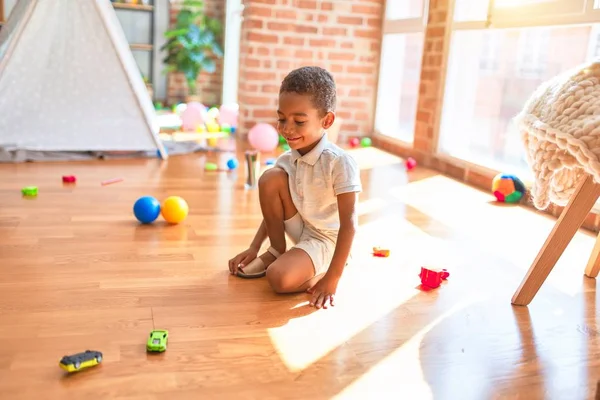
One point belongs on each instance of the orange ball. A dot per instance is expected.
(174, 209)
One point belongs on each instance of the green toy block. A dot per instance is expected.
(30, 191)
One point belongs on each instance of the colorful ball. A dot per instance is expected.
(226, 128)
(365, 142)
(263, 137)
(232, 163)
(174, 209)
(146, 209)
(228, 114)
(194, 115)
(213, 112)
(508, 188)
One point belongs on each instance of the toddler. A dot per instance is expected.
(310, 194)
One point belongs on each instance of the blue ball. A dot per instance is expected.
(146, 209)
(232, 163)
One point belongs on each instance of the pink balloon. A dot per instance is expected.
(193, 116)
(263, 137)
(228, 114)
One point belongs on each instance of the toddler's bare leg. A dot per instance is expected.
(292, 272)
(277, 206)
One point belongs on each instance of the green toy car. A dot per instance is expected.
(157, 342)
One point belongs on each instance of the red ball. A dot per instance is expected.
(411, 163)
(354, 142)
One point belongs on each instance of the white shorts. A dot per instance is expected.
(318, 245)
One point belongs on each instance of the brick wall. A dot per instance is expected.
(428, 114)
(341, 36)
(209, 85)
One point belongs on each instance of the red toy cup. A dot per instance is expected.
(432, 278)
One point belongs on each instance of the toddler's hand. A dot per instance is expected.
(242, 259)
(323, 292)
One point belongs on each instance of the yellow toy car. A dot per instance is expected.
(79, 361)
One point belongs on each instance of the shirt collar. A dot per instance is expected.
(312, 156)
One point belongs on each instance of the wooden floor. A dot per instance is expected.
(77, 272)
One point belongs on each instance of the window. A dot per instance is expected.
(404, 9)
(491, 73)
(400, 69)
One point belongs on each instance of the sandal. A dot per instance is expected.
(256, 268)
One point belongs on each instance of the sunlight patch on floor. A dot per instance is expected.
(305, 340)
(407, 243)
(491, 227)
(363, 298)
(370, 205)
(401, 371)
(371, 157)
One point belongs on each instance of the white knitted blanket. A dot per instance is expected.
(560, 127)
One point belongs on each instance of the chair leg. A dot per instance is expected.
(593, 265)
(565, 228)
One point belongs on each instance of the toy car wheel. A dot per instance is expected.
(77, 364)
(99, 359)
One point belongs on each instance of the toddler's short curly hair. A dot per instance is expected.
(314, 81)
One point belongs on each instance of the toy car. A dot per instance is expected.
(380, 252)
(79, 361)
(157, 342)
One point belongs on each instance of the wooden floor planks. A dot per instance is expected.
(77, 272)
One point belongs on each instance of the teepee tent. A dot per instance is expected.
(69, 83)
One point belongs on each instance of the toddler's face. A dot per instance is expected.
(300, 123)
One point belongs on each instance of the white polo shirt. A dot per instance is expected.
(316, 179)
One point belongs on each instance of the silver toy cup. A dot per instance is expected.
(252, 169)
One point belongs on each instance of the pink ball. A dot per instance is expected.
(193, 116)
(228, 114)
(263, 137)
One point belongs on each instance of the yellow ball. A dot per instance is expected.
(174, 209)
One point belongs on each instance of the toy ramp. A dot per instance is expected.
(69, 83)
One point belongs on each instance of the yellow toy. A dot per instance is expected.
(174, 209)
(381, 252)
(79, 361)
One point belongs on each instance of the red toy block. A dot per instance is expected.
(433, 277)
(69, 178)
(379, 252)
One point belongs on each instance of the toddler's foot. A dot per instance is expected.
(257, 268)
(267, 259)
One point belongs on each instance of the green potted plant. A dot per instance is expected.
(192, 44)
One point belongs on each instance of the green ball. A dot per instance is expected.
(285, 147)
(282, 140)
(365, 142)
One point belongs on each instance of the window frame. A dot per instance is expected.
(589, 14)
(390, 27)
(579, 12)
